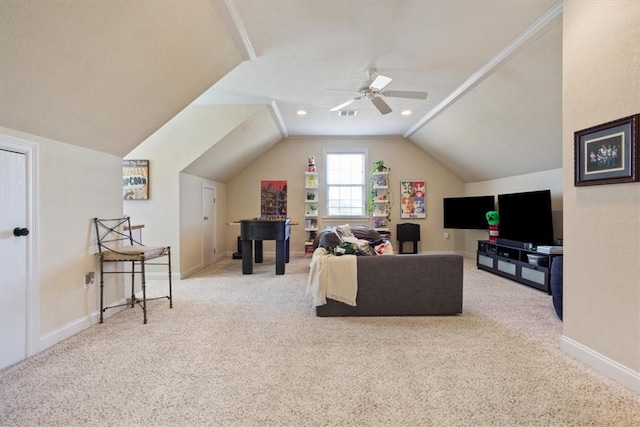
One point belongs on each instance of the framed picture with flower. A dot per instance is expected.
(607, 153)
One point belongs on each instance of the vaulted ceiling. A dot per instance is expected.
(106, 75)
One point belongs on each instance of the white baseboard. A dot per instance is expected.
(78, 325)
(189, 272)
(602, 364)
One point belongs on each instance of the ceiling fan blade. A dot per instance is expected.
(404, 94)
(344, 104)
(379, 83)
(342, 90)
(381, 105)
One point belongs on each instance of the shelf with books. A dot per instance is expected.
(311, 224)
(311, 205)
(380, 224)
(380, 197)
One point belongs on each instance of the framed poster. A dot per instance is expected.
(135, 177)
(273, 199)
(413, 199)
(607, 153)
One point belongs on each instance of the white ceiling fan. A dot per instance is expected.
(373, 90)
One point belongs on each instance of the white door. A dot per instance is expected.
(208, 225)
(13, 258)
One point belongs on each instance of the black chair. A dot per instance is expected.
(116, 244)
(409, 233)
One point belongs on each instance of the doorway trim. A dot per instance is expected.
(207, 185)
(31, 152)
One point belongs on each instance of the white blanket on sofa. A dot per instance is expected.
(334, 277)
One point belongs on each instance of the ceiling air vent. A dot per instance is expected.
(347, 112)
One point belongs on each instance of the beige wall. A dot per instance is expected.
(172, 148)
(191, 222)
(601, 65)
(601, 82)
(288, 161)
(74, 186)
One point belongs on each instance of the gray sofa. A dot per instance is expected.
(404, 285)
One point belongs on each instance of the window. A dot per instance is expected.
(345, 184)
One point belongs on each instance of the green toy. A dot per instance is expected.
(493, 218)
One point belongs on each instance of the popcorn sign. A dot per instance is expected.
(135, 179)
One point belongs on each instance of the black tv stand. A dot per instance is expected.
(512, 262)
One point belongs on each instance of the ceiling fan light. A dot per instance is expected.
(380, 82)
(301, 112)
(406, 112)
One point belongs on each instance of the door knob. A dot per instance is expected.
(20, 231)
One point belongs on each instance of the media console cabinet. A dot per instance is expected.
(513, 263)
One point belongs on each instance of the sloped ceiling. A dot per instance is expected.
(236, 150)
(106, 75)
(492, 70)
(510, 124)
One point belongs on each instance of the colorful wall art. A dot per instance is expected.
(273, 195)
(413, 196)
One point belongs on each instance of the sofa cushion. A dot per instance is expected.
(404, 285)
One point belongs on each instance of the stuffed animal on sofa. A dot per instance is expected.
(384, 248)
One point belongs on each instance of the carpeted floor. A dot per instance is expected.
(239, 350)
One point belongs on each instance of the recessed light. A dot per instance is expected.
(301, 113)
(406, 113)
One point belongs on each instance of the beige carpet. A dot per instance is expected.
(239, 350)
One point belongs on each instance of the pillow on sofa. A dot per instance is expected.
(344, 231)
(329, 238)
(364, 232)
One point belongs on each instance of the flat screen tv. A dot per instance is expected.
(467, 213)
(526, 217)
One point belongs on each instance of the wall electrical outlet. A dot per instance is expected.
(89, 279)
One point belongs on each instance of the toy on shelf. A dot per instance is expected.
(311, 164)
(493, 218)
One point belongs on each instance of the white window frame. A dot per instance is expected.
(365, 183)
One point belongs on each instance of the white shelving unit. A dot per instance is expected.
(381, 200)
(311, 209)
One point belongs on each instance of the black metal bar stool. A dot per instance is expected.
(116, 244)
